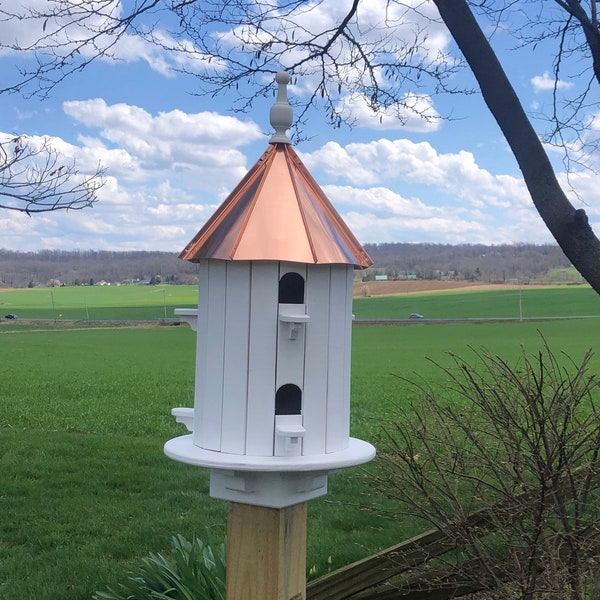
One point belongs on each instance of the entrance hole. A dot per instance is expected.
(288, 400)
(291, 289)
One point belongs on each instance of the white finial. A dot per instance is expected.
(281, 112)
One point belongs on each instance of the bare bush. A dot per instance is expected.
(517, 446)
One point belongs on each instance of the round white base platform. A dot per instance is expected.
(184, 450)
(274, 481)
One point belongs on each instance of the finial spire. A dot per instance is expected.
(281, 112)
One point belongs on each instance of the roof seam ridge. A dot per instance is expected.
(268, 160)
(293, 175)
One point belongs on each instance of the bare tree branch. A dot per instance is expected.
(589, 26)
(33, 179)
(73, 35)
(224, 44)
(571, 26)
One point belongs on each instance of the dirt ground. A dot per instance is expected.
(390, 288)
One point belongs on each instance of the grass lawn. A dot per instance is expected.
(85, 489)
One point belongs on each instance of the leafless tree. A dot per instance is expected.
(387, 64)
(35, 179)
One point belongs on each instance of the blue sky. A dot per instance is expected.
(172, 156)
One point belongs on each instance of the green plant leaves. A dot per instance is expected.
(195, 569)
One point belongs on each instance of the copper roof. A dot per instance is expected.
(277, 212)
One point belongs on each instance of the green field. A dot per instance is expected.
(501, 303)
(85, 489)
(124, 302)
(158, 302)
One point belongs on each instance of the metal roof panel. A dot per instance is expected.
(277, 212)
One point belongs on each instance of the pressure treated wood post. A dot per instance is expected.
(266, 552)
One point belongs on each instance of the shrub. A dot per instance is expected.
(517, 446)
(195, 570)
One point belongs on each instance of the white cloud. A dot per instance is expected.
(370, 227)
(121, 122)
(169, 171)
(13, 224)
(414, 112)
(379, 214)
(401, 160)
(544, 83)
(166, 174)
(457, 200)
(201, 146)
(150, 219)
(378, 199)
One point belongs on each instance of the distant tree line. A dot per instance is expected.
(472, 262)
(91, 267)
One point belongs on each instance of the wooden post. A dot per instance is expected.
(266, 552)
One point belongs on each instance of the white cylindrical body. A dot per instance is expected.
(273, 358)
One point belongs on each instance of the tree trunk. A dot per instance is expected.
(589, 26)
(569, 227)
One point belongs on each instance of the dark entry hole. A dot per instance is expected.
(288, 400)
(291, 289)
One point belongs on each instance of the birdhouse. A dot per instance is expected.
(271, 414)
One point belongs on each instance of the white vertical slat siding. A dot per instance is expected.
(201, 351)
(212, 410)
(235, 382)
(340, 322)
(290, 353)
(262, 358)
(348, 352)
(316, 363)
